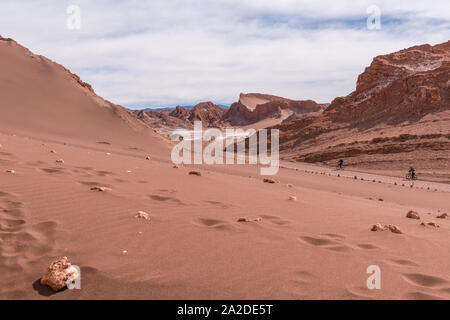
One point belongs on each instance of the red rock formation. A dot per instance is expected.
(180, 113)
(399, 93)
(207, 112)
(254, 107)
(399, 86)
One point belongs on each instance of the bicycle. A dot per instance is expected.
(409, 176)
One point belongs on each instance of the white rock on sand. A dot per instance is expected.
(58, 273)
(142, 215)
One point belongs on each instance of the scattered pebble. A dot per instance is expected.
(142, 215)
(442, 216)
(124, 252)
(289, 185)
(10, 171)
(267, 180)
(293, 198)
(147, 158)
(59, 161)
(100, 189)
(243, 219)
(175, 167)
(413, 215)
(394, 229)
(431, 224)
(380, 199)
(390, 227)
(53, 151)
(195, 173)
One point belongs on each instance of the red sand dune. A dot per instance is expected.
(192, 246)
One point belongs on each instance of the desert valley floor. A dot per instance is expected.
(318, 246)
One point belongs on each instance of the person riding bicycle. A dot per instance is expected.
(341, 163)
(412, 172)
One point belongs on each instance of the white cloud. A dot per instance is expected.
(164, 52)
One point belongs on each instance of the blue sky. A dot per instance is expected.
(167, 52)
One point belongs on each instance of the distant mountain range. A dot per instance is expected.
(258, 110)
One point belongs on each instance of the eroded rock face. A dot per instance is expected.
(58, 274)
(206, 112)
(406, 87)
(254, 107)
(409, 82)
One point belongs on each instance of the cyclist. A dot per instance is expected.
(412, 172)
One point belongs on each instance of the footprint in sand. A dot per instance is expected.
(219, 204)
(275, 220)
(358, 293)
(21, 245)
(424, 280)
(403, 262)
(53, 170)
(166, 199)
(417, 295)
(332, 244)
(103, 173)
(214, 224)
(300, 283)
(367, 246)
